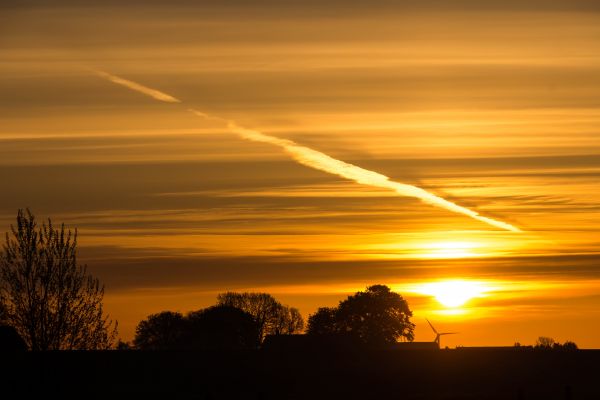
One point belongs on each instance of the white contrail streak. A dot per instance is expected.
(156, 94)
(317, 160)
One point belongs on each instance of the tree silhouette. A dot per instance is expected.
(222, 328)
(376, 316)
(162, 331)
(548, 343)
(323, 322)
(271, 317)
(213, 328)
(52, 302)
(544, 342)
(569, 346)
(290, 321)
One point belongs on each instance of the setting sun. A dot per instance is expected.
(454, 293)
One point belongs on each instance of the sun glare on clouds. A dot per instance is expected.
(454, 293)
(449, 249)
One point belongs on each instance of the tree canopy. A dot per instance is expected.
(323, 322)
(222, 328)
(161, 331)
(376, 316)
(51, 301)
(212, 328)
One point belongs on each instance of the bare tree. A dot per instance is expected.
(52, 302)
(271, 317)
(288, 321)
(262, 307)
(544, 342)
(295, 322)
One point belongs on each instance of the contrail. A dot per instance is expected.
(156, 94)
(321, 161)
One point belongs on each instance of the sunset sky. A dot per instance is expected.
(492, 105)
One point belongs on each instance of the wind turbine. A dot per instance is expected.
(439, 334)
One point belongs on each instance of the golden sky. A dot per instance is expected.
(493, 106)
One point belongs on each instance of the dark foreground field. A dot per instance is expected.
(401, 374)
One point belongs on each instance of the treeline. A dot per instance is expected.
(50, 302)
(237, 321)
(376, 316)
(548, 343)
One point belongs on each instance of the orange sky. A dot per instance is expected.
(495, 106)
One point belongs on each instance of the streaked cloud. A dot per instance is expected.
(323, 162)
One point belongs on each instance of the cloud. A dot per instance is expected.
(155, 268)
(321, 161)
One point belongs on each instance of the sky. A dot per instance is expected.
(493, 106)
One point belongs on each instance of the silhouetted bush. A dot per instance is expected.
(52, 302)
(376, 316)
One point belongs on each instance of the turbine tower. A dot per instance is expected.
(439, 334)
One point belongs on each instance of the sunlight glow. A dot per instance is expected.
(450, 249)
(451, 312)
(454, 293)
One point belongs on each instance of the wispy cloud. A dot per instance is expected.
(323, 162)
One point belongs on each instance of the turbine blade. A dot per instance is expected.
(431, 325)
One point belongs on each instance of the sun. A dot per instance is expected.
(454, 293)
